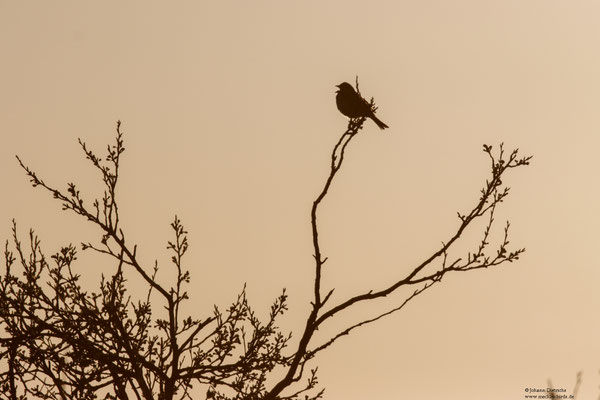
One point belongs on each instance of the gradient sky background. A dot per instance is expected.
(230, 118)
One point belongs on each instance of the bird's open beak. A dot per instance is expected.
(337, 86)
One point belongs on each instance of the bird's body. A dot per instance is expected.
(352, 105)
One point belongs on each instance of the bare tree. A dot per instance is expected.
(62, 341)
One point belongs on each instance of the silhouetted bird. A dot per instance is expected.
(352, 105)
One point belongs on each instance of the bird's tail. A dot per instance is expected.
(379, 122)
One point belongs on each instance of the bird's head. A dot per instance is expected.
(344, 86)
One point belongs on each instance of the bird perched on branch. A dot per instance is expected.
(352, 105)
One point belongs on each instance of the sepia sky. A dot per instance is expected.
(229, 117)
